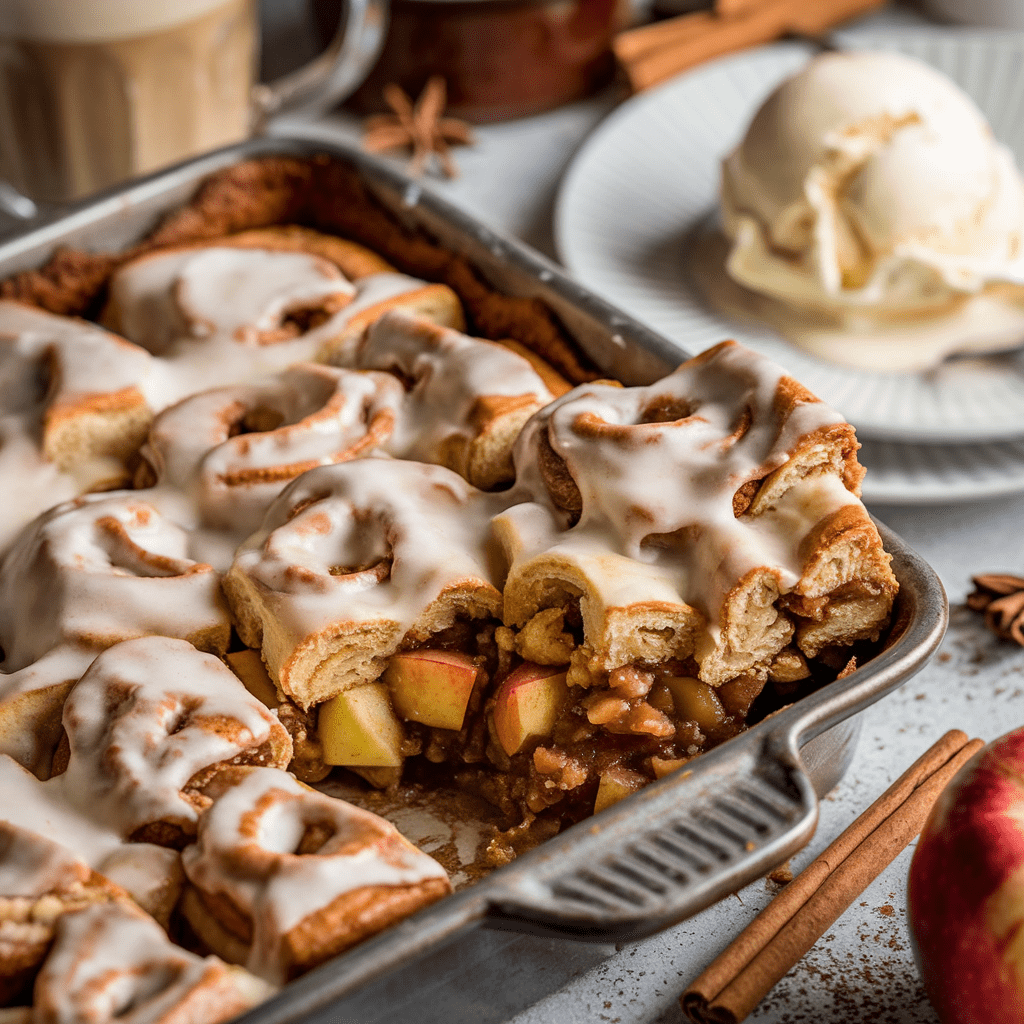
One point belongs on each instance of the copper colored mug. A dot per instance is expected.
(500, 58)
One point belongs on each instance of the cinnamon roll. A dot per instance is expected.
(281, 877)
(84, 392)
(354, 560)
(467, 400)
(39, 881)
(114, 964)
(101, 569)
(232, 314)
(75, 404)
(234, 449)
(148, 724)
(726, 484)
(51, 838)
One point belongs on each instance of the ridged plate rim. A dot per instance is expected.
(649, 174)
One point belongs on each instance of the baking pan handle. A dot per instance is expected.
(677, 847)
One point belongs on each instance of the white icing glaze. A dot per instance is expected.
(101, 569)
(111, 962)
(375, 540)
(204, 312)
(57, 360)
(639, 479)
(31, 865)
(144, 719)
(447, 373)
(661, 493)
(245, 851)
(31, 484)
(45, 811)
(61, 366)
(325, 415)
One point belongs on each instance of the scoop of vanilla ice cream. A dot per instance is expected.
(869, 180)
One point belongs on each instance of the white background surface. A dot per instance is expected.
(863, 968)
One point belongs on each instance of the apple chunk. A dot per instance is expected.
(615, 785)
(248, 666)
(528, 704)
(358, 727)
(695, 701)
(431, 687)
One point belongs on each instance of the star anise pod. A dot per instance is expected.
(419, 127)
(1001, 597)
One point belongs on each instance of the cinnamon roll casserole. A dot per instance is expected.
(288, 500)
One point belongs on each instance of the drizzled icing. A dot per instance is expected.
(31, 865)
(717, 421)
(371, 542)
(319, 415)
(651, 473)
(101, 569)
(44, 821)
(246, 851)
(114, 963)
(168, 300)
(448, 374)
(221, 314)
(53, 369)
(147, 717)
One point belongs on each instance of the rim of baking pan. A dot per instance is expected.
(679, 844)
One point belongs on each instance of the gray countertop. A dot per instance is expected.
(863, 968)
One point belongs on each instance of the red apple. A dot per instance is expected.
(966, 892)
(432, 687)
(528, 704)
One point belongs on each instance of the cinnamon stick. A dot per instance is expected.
(653, 53)
(732, 8)
(768, 948)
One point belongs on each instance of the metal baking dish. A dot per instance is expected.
(677, 846)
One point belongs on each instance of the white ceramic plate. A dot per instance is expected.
(649, 176)
(937, 474)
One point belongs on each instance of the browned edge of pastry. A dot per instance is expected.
(321, 193)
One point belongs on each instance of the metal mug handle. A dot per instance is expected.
(335, 73)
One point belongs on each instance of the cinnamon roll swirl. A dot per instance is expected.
(355, 559)
(281, 877)
(467, 400)
(148, 725)
(234, 449)
(101, 569)
(112, 963)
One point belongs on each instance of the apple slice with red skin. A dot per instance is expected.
(431, 687)
(966, 891)
(528, 703)
(358, 727)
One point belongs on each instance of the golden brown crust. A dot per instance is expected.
(329, 197)
(353, 260)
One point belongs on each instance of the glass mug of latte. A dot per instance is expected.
(96, 91)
